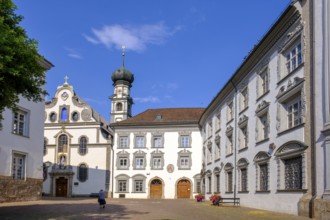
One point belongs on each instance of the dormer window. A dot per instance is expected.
(158, 117)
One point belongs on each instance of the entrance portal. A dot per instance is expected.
(61, 187)
(156, 189)
(183, 189)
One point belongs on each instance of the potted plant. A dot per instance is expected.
(199, 197)
(215, 198)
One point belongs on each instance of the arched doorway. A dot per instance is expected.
(156, 189)
(183, 189)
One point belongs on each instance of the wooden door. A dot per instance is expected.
(61, 187)
(183, 189)
(156, 189)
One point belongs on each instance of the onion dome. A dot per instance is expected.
(122, 74)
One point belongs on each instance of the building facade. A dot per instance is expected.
(265, 137)
(157, 154)
(77, 147)
(21, 136)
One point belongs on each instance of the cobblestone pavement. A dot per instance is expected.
(87, 208)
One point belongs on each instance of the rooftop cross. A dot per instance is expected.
(66, 79)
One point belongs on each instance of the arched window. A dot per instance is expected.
(83, 146)
(64, 114)
(119, 107)
(62, 143)
(82, 172)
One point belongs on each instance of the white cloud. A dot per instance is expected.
(73, 53)
(151, 99)
(133, 37)
(90, 100)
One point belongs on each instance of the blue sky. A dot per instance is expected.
(181, 52)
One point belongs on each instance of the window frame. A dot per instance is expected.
(18, 168)
(20, 126)
(82, 172)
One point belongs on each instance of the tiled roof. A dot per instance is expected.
(164, 116)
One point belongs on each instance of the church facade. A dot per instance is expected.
(77, 147)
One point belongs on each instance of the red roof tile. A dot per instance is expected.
(164, 116)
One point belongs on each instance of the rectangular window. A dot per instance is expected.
(139, 142)
(138, 185)
(210, 184)
(18, 166)
(293, 58)
(264, 126)
(244, 137)
(20, 123)
(123, 163)
(185, 141)
(217, 183)
(244, 179)
(230, 181)
(184, 162)
(244, 99)
(123, 142)
(230, 144)
(157, 162)
(217, 150)
(264, 83)
(139, 163)
(263, 177)
(157, 142)
(122, 185)
(294, 114)
(293, 173)
(230, 111)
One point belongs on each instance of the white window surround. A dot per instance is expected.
(288, 95)
(262, 158)
(123, 161)
(184, 160)
(217, 153)
(139, 142)
(139, 160)
(229, 144)
(229, 177)
(197, 183)
(19, 160)
(263, 121)
(139, 183)
(242, 166)
(217, 122)
(123, 142)
(157, 140)
(243, 133)
(216, 175)
(184, 140)
(244, 98)
(21, 122)
(230, 111)
(122, 185)
(157, 160)
(291, 150)
(293, 39)
(263, 82)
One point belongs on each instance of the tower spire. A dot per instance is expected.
(123, 55)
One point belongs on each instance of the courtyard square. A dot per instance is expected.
(87, 208)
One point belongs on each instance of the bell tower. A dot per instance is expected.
(121, 101)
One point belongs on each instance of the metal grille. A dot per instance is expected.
(293, 173)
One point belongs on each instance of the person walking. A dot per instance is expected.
(101, 199)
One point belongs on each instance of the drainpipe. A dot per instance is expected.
(234, 139)
(312, 112)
